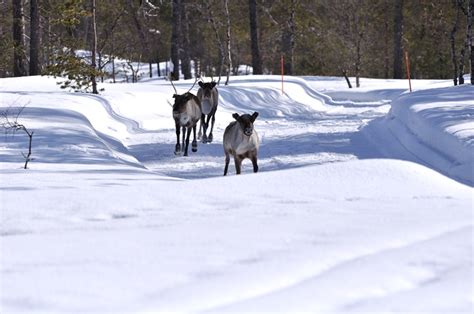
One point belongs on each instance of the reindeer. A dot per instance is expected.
(209, 97)
(186, 114)
(241, 141)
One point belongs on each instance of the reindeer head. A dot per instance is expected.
(180, 101)
(207, 88)
(246, 122)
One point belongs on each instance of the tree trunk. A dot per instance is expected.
(185, 43)
(358, 61)
(288, 40)
(34, 38)
(386, 41)
(462, 58)
(229, 50)
(94, 48)
(344, 73)
(175, 40)
(470, 42)
(398, 50)
(46, 32)
(453, 45)
(19, 67)
(256, 60)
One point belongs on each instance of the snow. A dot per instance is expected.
(363, 201)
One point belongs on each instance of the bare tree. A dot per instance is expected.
(9, 122)
(220, 44)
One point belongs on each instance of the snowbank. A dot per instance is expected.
(442, 119)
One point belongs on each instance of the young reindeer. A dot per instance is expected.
(209, 97)
(241, 141)
(186, 114)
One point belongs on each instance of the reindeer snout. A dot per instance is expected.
(248, 131)
(184, 119)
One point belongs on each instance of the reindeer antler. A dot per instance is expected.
(171, 80)
(195, 81)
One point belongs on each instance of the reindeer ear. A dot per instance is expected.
(213, 84)
(236, 116)
(201, 84)
(254, 116)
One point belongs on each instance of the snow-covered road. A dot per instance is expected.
(343, 216)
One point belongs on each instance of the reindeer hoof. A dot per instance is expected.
(209, 138)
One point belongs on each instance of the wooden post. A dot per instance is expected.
(282, 63)
(407, 63)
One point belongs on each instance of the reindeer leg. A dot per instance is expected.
(227, 160)
(184, 134)
(200, 127)
(194, 144)
(177, 148)
(188, 133)
(210, 137)
(238, 163)
(204, 133)
(206, 126)
(254, 162)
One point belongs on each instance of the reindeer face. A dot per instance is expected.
(246, 122)
(207, 88)
(179, 102)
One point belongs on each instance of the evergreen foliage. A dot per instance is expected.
(317, 37)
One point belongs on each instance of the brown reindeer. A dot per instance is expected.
(241, 141)
(209, 97)
(186, 114)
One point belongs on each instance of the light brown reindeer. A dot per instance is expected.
(209, 97)
(241, 141)
(186, 114)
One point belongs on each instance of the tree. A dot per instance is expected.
(470, 41)
(185, 43)
(34, 38)
(94, 48)
(228, 36)
(452, 37)
(19, 66)
(77, 70)
(218, 39)
(288, 39)
(256, 60)
(175, 39)
(397, 39)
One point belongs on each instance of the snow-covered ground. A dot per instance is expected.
(363, 201)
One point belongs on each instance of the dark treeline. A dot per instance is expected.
(360, 38)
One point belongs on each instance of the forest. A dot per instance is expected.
(357, 38)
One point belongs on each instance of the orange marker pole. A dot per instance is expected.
(407, 63)
(282, 63)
